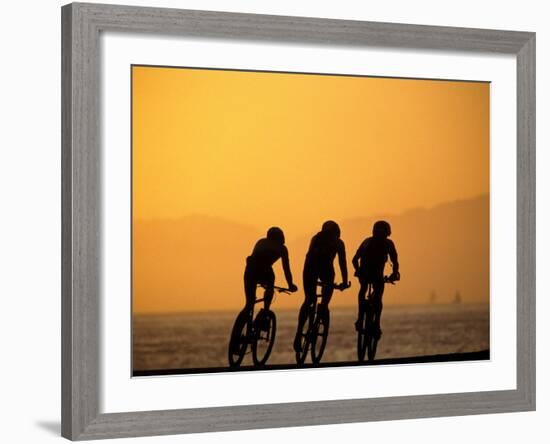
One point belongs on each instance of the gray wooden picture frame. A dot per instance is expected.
(81, 232)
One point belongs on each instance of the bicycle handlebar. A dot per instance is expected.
(340, 287)
(279, 289)
(387, 280)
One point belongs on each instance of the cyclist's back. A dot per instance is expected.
(265, 253)
(321, 253)
(372, 255)
(319, 262)
(259, 267)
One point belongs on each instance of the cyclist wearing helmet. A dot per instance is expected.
(369, 262)
(319, 266)
(259, 267)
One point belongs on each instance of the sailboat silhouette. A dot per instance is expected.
(458, 298)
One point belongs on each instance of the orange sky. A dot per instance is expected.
(236, 152)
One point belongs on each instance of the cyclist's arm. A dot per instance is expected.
(286, 266)
(393, 257)
(342, 261)
(355, 260)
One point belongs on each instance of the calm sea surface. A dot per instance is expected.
(199, 340)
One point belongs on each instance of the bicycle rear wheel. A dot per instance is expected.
(238, 341)
(305, 333)
(372, 338)
(362, 337)
(305, 341)
(265, 327)
(372, 348)
(320, 334)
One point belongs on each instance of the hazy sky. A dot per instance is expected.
(263, 149)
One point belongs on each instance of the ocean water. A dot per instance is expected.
(200, 340)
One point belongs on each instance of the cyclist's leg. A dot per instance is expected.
(364, 286)
(377, 292)
(250, 283)
(269, 282)
(304, 312)
(326, 292)
(266, 278)
(310, 282)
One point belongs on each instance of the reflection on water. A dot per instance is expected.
(199, 340)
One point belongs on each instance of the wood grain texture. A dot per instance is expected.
(119, 425)
(81, 230)
(81, 222)
(66, 224)
(301, 29)
(526, 221)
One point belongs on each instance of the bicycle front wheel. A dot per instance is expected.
(320, 334)
(265, 327)
(238, 340)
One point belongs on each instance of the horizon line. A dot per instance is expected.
(232, 310)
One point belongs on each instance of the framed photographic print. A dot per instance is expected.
(263, 213)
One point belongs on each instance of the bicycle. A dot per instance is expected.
(258, 332)
(367, 337)
(314, 334)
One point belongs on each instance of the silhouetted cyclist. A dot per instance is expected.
(369, 262)
(319, 266)
(259, 267)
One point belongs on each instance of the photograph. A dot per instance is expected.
(275, 222)
(289, 220)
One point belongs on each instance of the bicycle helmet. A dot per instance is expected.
(331, 229)
(381, 229)
(276, 234)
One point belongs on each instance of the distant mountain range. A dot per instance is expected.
(197, 262)
(442, 250)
